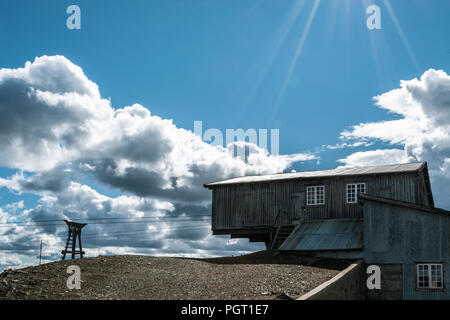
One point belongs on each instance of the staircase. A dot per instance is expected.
(281, 235)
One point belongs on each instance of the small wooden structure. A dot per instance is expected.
(74, 232)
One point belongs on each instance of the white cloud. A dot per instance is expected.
(376, 157)
(55, 117)
(56, 129)
(14, 207)
(422, 133)
(10, 261)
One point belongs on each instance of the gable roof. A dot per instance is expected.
(342, 171)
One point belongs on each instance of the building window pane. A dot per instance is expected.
(315, 195)
(430, 276)
(352, 191)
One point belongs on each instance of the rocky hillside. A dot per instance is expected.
(255, 276)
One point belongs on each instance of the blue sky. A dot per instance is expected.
(225, 63)
(198, 60)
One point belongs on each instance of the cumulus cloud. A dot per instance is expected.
(10, 261)
(58, 131)
(376, 157)
(421, 134)
(55, 116)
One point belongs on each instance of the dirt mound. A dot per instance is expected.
(257, 276)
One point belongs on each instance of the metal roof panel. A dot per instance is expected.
(333, 234)
(342, 171)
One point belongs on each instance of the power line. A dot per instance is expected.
(113, 218)
(133, 234)
(106, 233)
(6, 225)
(168, 228)
(92, 235)
(22, 249)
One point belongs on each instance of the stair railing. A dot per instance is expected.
(274, 239)
(278, 229)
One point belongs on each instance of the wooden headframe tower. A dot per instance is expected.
(74, 232)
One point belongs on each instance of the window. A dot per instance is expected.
(430, 276)
(352, 191)
(315, 195)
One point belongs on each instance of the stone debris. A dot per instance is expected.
(254, 276)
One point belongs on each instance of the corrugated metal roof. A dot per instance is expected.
(332, 234)
(343, 171)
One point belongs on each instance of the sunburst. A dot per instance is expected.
(294, 61)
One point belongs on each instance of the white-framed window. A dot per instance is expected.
(430, 276)
(352, 191)
(315, 195)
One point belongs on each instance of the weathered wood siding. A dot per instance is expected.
(391, 283)
(421, 190)
(406, 236)
(250, 205)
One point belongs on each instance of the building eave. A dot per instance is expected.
(433, 210)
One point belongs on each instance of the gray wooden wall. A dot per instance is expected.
(247, 205)
(406, 236)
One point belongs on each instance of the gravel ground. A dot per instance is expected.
(255, 276)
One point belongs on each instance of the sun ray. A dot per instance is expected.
(373, 46)
(281, 36)
(402, 35)
(298, 51)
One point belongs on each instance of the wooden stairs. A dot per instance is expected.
(281, 235)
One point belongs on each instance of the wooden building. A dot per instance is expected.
(384, 215)
(256, 207)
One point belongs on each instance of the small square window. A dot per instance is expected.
(430, 276)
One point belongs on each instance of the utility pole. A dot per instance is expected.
(40, 254)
